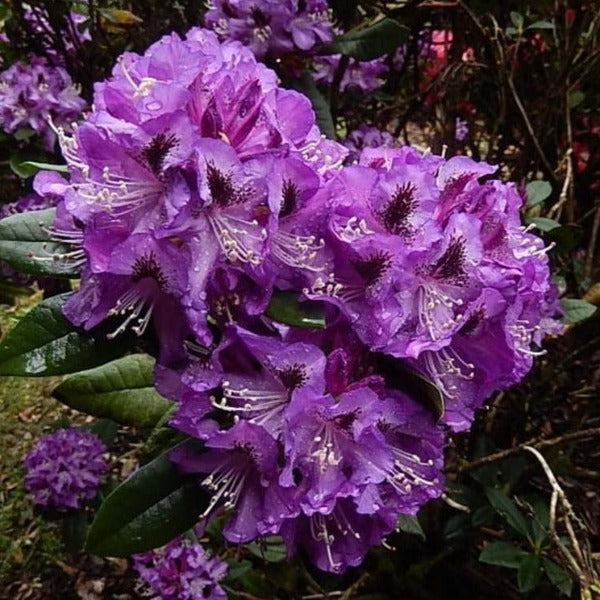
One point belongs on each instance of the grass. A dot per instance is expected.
(29, 546)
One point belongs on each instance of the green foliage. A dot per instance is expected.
(25, 245)
(44, 343)
(286, 308)
(576, 310)
(146, 511)
(122, 390)
(370, 42)
(306, 84)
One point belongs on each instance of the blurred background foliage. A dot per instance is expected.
(523, 78)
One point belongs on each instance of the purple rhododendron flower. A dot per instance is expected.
(65, 468)
(33, 94)
(368, 137)
(361, 76)
(182, 570)
(199, 191)
(271, 27)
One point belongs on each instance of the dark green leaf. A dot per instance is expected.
(270, 549)
(410, 524)
(558, 577)
(122, 390)
(544, 224)
(146, 511)
(161, 437)
(541, 25)
(74, 529)
(576, 310)
(20, 163)
(44, 343)
(507, 509)
(576, 98)
(237, 569)
(529, 573)
(537, 192)
(24, 244)
(286, 308)
(502, 554)
(105, 429)
(380, 38)
(306, 84)
(566, 237)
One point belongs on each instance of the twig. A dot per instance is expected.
(454, 504)
(535, 443)
(581, 564)
(589, 259)
(564, 193)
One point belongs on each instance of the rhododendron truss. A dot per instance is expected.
(277, 284)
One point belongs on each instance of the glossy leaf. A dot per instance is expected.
(576, 310)
(380, 38)
(153, 506)
(25, 245)
(502, 554)
(44, 343)
(286, 308)
(122, 390)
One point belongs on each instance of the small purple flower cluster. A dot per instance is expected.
(181, 571)
(32, 95)
(461, 130)
(367, 137)
(64, 468)
(271, 27)
(199, 191)
(361, 76)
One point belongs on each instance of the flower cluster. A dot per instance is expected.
(181, 571)
(361, 76)
(367, 137)
(32, 95)
(201, 197)
(64, 468)
(271, 27)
